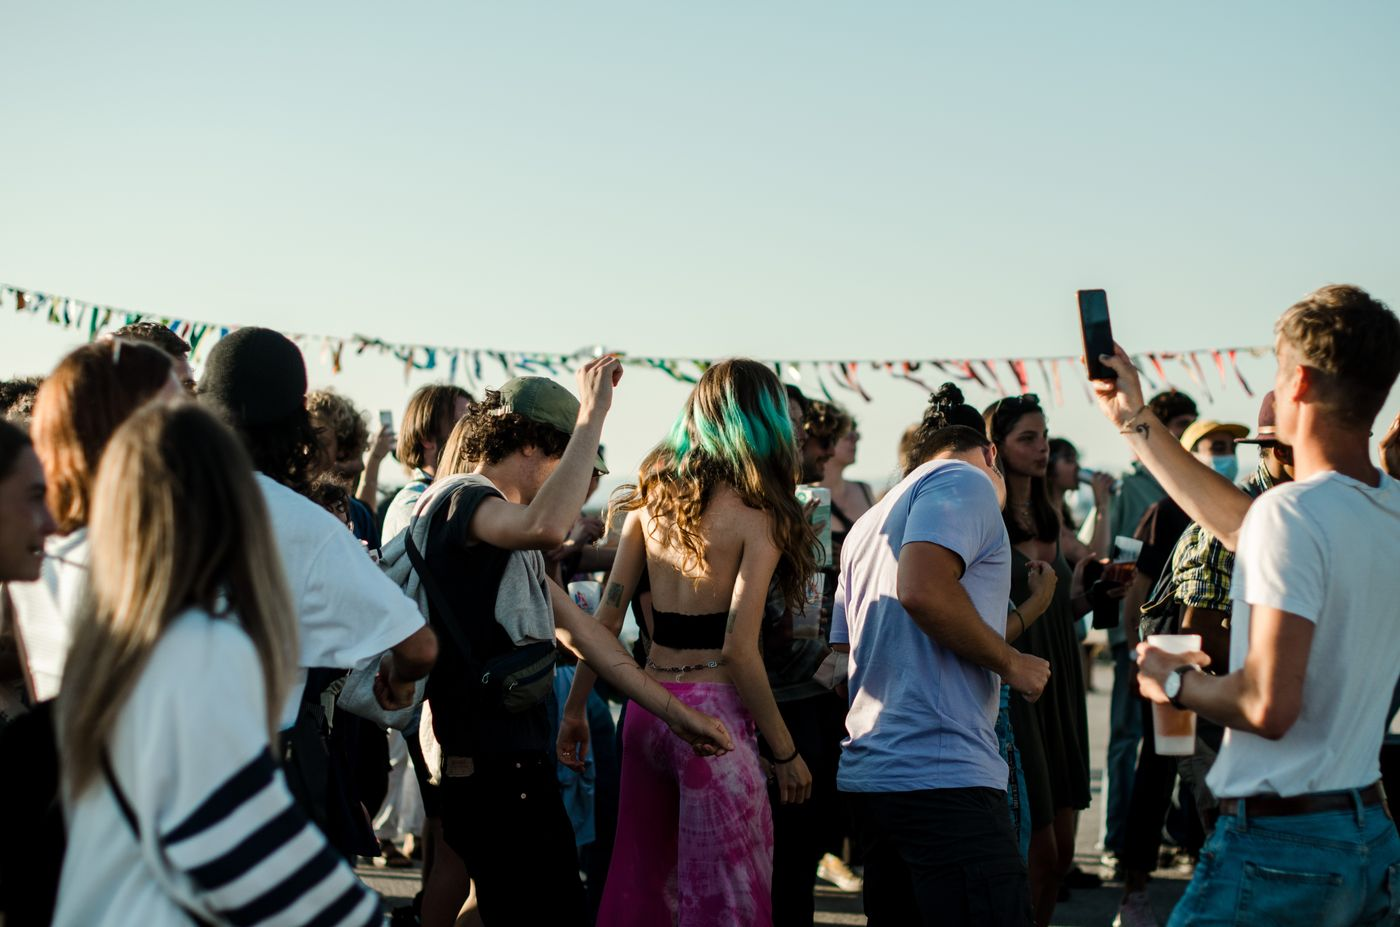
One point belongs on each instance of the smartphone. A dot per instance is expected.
(1098, 335)
(386, 419)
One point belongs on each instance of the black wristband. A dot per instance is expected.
(778, 762)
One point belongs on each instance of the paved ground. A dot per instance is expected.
(1092, 908)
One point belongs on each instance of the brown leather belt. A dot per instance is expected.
(1273, 806)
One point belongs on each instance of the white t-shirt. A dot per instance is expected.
(46, 609)
(1323, 549)
(190, 752)
(347, 609)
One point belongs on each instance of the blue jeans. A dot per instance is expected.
(1333, 868)
(1016, 803)
(1124, 733)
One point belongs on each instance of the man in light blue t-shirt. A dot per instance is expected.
(922, 603)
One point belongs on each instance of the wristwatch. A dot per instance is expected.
(1172, 686)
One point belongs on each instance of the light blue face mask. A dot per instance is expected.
(1228, 467)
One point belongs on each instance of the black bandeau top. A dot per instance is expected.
(688, 632)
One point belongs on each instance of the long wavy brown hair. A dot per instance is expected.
(733, 431)
(91, 392)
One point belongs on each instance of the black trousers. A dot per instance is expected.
(1153, 781)
(803, 833)
(507, 822)
(941, 856)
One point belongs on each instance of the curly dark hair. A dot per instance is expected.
(332, 497)
(1172, 404)
(285, 450)
(156, 334)
(345, 421)
(490, 434)
(825, 422)
(17, 398)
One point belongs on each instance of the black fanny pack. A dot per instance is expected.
(520, 679)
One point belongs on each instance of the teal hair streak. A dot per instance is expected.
(733, 436)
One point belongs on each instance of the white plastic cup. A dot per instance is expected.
(587, 594)
(1174, 730)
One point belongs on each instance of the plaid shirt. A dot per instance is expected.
(1201, 566)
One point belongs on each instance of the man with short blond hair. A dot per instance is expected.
(1305, 834)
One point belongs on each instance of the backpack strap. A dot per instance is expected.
(125, 807)
(438, 598)
(1160, 614)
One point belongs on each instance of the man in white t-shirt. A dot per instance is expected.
(347, 609)
(1305, 835)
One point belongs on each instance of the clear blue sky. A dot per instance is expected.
(778, 179)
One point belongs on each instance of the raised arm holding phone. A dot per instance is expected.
(1305, 834)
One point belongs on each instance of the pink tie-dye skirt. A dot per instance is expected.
(694, 834)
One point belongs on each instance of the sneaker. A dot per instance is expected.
(393, 858)
(1136, 911)
(1113, 864)
(834, 870)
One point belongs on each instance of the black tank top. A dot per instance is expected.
(686, 632)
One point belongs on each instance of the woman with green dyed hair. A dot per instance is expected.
(711, 524)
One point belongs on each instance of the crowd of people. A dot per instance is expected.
(233, 662)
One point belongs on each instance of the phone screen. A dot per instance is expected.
(1098, 335)
(386, 418)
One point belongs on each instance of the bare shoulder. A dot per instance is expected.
(727, 511)
(734, 522)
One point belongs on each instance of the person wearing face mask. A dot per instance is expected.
(1213, 444)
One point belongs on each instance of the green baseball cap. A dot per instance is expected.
(542, 400)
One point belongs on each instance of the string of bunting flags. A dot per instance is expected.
(830, 377)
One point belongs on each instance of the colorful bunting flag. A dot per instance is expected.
(94, 320)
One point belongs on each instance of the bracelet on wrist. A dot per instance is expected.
(788, 759)
(1129, 427)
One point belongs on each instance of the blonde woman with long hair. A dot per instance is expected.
(180, 663)
(712, 521)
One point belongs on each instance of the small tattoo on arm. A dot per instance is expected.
(733, 619)
(614, 596)
(1142, 428)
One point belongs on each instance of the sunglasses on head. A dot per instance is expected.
(1025, 399)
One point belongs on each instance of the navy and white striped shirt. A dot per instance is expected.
(219, 828)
